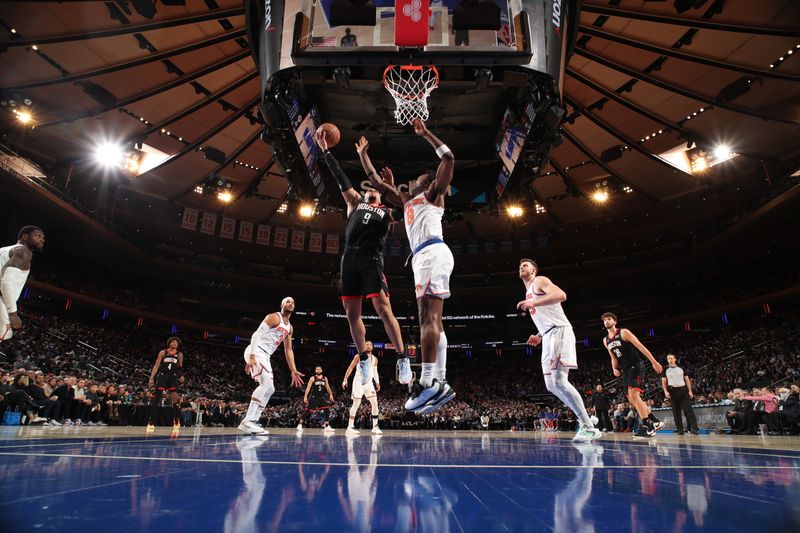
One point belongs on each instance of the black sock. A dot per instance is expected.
(363, 356)
(652, 418)
(401, 355)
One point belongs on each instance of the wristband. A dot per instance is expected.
(442, 151)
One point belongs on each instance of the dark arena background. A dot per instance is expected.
(641, 155)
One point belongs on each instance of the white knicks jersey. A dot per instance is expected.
(266, 339)
(5, 256)
(547, 316)
(423, 220)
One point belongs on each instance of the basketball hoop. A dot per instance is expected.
(410, 86)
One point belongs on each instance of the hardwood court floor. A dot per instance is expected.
(122, 479)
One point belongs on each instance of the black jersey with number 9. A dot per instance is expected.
(367, 227)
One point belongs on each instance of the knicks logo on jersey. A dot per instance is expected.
(282, 333)
(410, 209)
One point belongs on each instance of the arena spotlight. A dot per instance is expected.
(24, 117)
(225, 197)
(514, 211)
(722, 153)
(601, 194)
(109, 154)
(307, 210)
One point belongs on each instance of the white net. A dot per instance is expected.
(410, 86)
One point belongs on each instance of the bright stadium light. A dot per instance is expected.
(600, 196)
(514, 211)
(307, 210)
(722, 153)
(225, 197)
(109, 154)
(24, 116)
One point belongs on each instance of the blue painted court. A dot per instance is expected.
(87, 480)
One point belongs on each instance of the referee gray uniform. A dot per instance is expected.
(675, 381)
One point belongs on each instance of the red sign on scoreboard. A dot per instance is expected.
(411, 22)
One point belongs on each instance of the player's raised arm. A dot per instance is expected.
(383, 182)
(444, 173)
(553, 294)
(350, 195)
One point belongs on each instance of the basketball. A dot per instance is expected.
(331, 133)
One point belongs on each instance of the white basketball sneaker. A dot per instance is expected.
(376, 430)
(328, 429)
(587, 434)
(299, 427)
(404, 371)
(253, 428)
(352, 431)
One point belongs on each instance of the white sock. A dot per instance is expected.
(426, 377)
(441, 357)
(253, 411)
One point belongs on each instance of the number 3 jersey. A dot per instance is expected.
(367, 227)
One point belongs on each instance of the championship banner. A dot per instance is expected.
(208, 224)
(228, 228)
(262, 236)
(315, 242)
(281, 236)
(298, 239)
(190, 217)
(246, 231)
(332, 243)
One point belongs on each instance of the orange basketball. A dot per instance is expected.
(331, 133)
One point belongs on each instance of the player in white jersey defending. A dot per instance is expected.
(15, 264)
(360, 391)
(432, 263)
(543, 301)
(274, 330)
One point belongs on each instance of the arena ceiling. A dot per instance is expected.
(644, 80)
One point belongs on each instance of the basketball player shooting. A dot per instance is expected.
(543, 301)
(273, 330)
(624, 349)
(362, 275)
(15, 265)
(432, 263)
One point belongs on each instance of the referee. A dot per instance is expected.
(678, 390)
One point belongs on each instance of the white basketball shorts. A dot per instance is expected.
(432, 268)
(558, 350)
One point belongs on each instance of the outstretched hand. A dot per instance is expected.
(319, 136)
(297, 379)
(419, 127)
(362, 145)
(387, 176)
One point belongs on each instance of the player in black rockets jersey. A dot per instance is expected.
(318, 397)
(624, 348)
(166, 374)
(362, 265)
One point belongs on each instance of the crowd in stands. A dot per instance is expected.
(65, 371)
